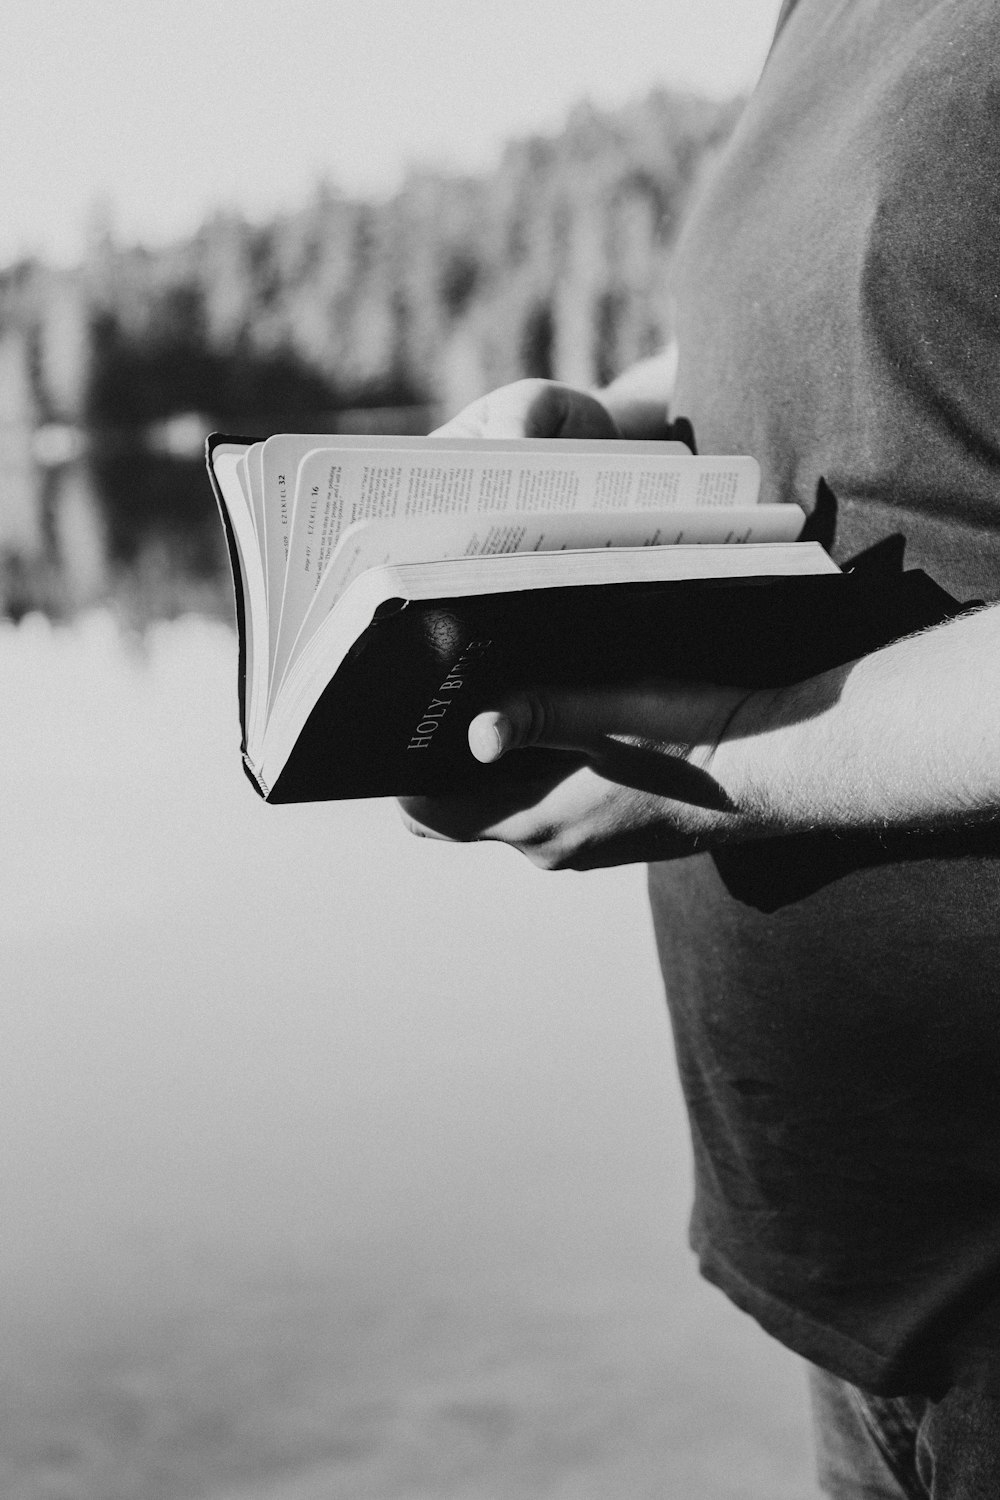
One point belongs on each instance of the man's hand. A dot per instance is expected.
(637, 782)
(640, 782)
(902, 740)
(533, 409)
(633, 406)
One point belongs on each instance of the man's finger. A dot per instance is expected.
(561, 411)
(567, 720)
(503, 413)
(534, 409)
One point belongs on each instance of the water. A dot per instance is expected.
(335, 1163)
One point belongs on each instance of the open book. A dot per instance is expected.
(388, 587)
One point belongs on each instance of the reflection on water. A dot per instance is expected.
(136, 529)
(92, 518)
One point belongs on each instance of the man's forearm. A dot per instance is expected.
(907, 738)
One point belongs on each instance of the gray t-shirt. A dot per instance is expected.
(838, 297)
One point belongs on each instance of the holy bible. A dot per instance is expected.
(388, 589)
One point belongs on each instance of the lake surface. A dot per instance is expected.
(334, 1163)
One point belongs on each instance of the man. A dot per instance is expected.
(829, 916)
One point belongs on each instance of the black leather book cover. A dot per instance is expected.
(394, 719)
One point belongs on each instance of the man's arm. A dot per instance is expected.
(905, 739)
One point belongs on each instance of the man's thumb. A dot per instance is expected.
(554, 720)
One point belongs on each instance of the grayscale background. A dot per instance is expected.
(332, 1163)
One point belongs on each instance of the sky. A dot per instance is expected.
(149, 116)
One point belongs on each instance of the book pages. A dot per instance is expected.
(275, 465)
(336, 488)
(230, 469)
(381, 543)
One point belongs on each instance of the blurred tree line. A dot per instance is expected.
(556, 263)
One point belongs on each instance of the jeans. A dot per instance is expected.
(905, 1447)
